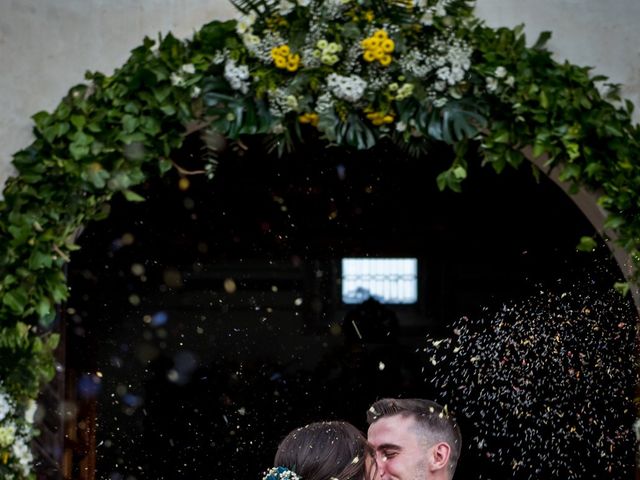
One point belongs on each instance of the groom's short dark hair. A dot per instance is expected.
(435, 422)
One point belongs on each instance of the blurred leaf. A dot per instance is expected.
(542, 40)
(622, 288)
(133, 196)
(587, 244)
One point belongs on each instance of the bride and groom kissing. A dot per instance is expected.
(408, 439)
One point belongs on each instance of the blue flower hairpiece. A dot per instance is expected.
(280, 473)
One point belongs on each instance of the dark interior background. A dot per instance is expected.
(213, 312)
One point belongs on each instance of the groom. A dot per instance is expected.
(414, 439)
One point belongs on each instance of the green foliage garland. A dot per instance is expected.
(351, 71)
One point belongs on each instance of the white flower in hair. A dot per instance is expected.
(280, 473)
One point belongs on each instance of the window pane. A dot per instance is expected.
(388, 280)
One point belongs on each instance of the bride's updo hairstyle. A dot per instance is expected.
(325, 451)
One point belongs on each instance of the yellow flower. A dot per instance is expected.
(385, 60)
(381, 35)
(293, 62)
(379, 118)
(378, 47)
(309, 118)
(369, 16)
(388, 45)
(369, 56)
(283, 58)
(284, 50)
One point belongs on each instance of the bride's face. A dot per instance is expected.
(370, 467)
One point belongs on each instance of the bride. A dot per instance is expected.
(323, 451)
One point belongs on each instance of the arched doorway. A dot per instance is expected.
(213, 312)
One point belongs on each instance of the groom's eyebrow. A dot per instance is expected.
(389, 446)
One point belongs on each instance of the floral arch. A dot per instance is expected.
(353, 72)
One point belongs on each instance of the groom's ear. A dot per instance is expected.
(439, 456)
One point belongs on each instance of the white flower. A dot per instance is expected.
(245, 23)
(334, 47)
(500, 72)
(5, 405)
(510, 81)
(427, 18)
(304, 3)
(7, 434)
(22, 452)
(291, 101)
(219, 57)
(250, 40)
(188, 68)
(237, 76)
(30, 412)
(492, 84)
(401, 126)
(281, 102)
(195, 92)
(349, 88)
(404, 91)
(177, 80)
(286, 7)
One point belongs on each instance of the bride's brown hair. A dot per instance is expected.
(325, 451)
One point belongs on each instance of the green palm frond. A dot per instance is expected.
(261, 7)
(395, 10)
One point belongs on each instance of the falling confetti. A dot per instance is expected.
(547, 384)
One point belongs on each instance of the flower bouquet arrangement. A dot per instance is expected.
(354, 70)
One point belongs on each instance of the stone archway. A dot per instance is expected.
(587, 202)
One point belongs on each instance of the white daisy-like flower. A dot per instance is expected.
(177, 80)
(492, 84)
(7, 434)
(349, 88)
(22, 452)
(237, 76)
(219, 57)
(286, 7)
(245, 23)
(30, 412)
(188, 68)
(5, 405)
(427, 18)
(500, 72)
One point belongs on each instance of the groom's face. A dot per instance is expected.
(399, 453)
